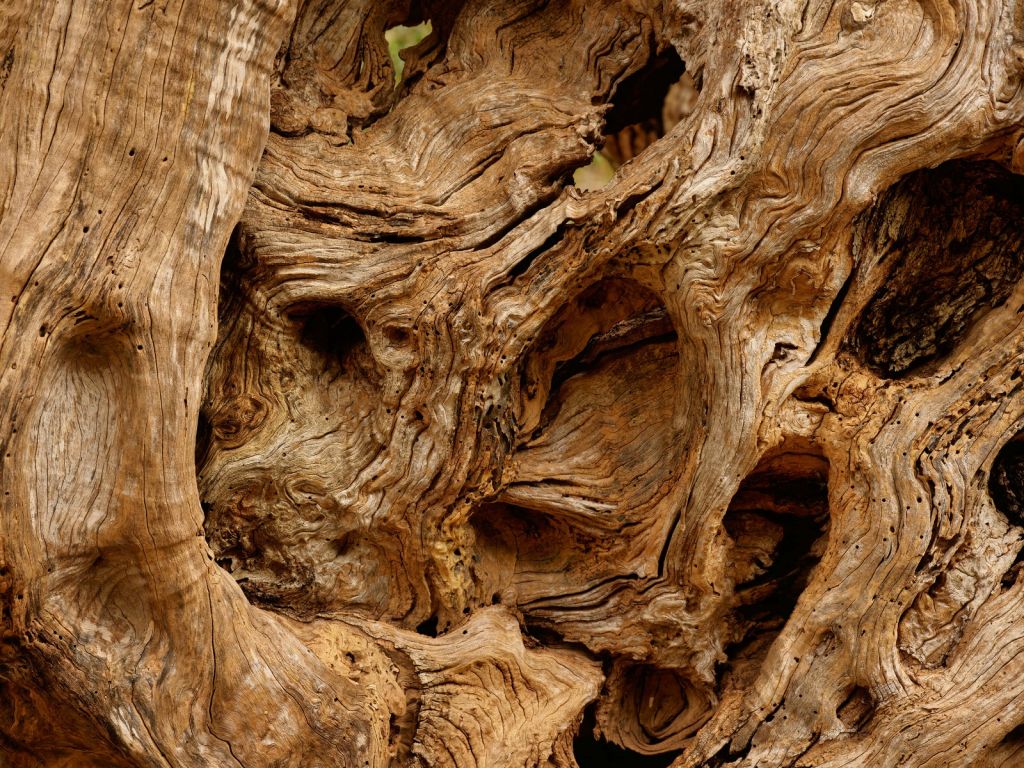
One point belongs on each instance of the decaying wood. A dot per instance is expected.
(338, 428)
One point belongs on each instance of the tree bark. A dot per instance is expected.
(339, 428)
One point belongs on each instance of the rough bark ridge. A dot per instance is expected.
(720, 464)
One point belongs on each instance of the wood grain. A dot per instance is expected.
(338, 428)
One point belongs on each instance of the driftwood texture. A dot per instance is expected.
(338, 428)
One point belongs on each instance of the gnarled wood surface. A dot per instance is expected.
(339, 428)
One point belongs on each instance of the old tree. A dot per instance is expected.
(339, 427)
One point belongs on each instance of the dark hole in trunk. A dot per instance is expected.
(594, 752)
(778, 521)
(951, 240)
(1006, 487)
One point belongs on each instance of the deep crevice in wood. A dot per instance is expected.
(593, 751)
(952, 246)
(1006, 487)
(857, 708)
(779, 524)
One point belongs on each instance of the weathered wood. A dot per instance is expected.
(462, 465)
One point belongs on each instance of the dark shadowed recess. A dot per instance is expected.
(857, 708)
(330, 332)
(613, 317)
(1006, 481)
(778, 522)
(1008, 753)
(1006, 487)
(952, 242)
(593, 380)
(643, 108)
(533, 544)
(652, 710)
(229, 300)
(592, 751)
(640, 98)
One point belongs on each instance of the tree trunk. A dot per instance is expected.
(338, 427)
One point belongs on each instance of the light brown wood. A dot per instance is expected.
(338, 428)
